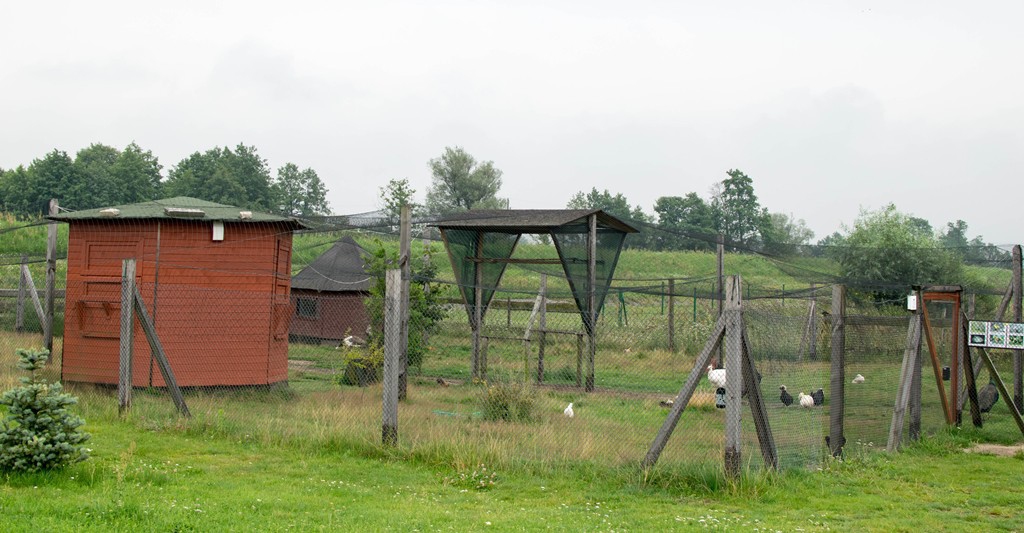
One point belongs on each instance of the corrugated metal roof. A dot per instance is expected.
(339, 269)
(528, 220)
(177, 208)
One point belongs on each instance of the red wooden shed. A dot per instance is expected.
(215, 278)
(329, 295)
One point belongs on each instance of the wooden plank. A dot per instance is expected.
(685, 393)
(837, 387)
(936, 366)
(757, 407)
(733, 369)
(36, 303)
(910, 355)
(478, 310)
(159, 355)
(536, 305)
(1002, 388)
(51, 277)
(392, 355)
(127, 343)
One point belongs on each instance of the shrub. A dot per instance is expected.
(509, 401)
(39, 433)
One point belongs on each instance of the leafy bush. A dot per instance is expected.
(509, 401)
(39, 433)
(363, 366)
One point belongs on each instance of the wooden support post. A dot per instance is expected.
(970, 381)
(19, 320)
(812, 352)
(936, 365)
(51, 277)
(34, 295)
(733, 368)
(404, 263)
(914, 427)
(478, 308)
(757, 408)
(685, 393)
(124, 375)
(1002, 388)
(964, 349)
(910, 361)
(1018, 361)
(837, 386)
(591, 301)
(159, 355)
(543, 334)
(671, 315)
(720, 287)
(392, 355)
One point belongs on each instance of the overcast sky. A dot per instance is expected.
(829, 107)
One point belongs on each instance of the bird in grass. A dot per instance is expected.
(818, 396)
(858, 379)
(716, 376)
(666, 403)
(785, 396)
(988, 396)
(442, 382)
(568, 411)
(805, 400)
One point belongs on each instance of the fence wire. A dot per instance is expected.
(263, 364)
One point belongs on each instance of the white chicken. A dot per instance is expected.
(568, 411)
(805, 400)
(716, 376)
(858, 379)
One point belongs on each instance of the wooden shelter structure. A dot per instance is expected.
(480, 244)
(328, 295)
(215, 278)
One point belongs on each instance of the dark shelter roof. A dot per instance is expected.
(339, 269)
(480, 245)
(528, 220)
(177, 208)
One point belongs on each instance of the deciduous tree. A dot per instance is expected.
(459, 183)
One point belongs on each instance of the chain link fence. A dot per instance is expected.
(263, 364)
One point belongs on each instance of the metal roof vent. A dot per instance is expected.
(184, 212)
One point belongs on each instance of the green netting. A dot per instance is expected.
(463, 247)
(572, 244)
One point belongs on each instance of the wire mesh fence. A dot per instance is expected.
(261, 360)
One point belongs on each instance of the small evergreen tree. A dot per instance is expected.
(39, 433)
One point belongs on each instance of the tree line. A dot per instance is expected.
(101, 176)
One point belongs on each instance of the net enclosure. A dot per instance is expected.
(480, 244)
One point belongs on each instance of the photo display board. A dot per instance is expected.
(995, 334)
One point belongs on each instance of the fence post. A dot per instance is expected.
(1018, 368)
(719, 289)
(404, 258)
(543, 333)
(51, 277)
(812, 349)
(392, 355)
(733, 373)
(591, 301)
(19, 321)
(671, 315)
(837, 387)
(124, 379)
